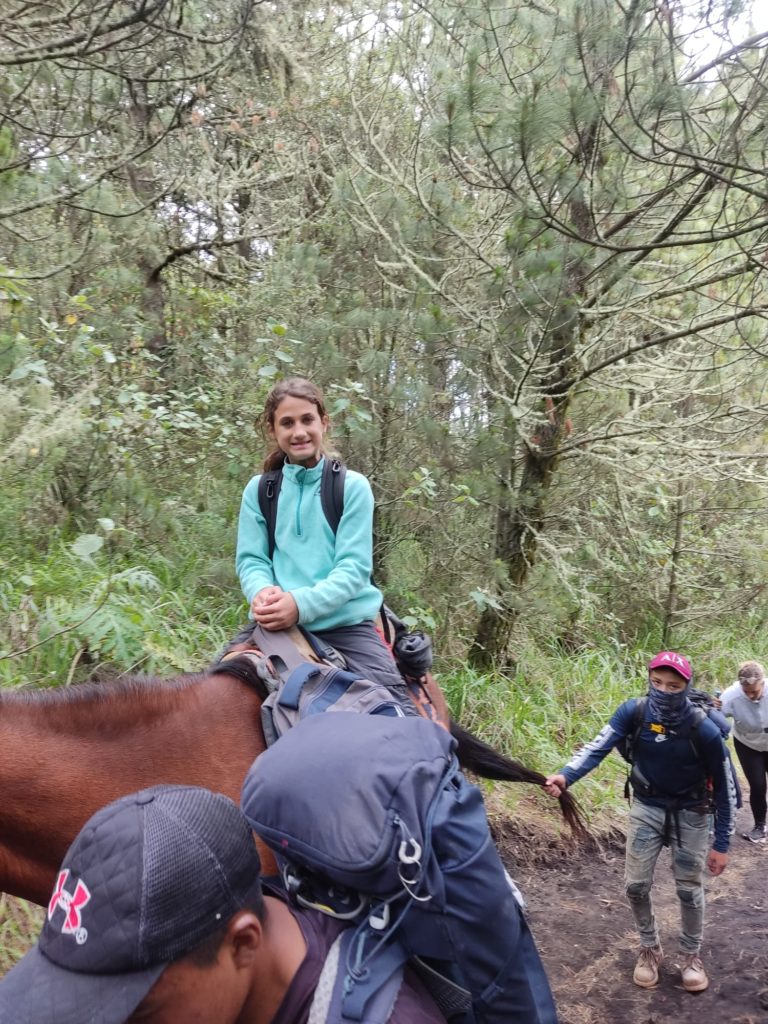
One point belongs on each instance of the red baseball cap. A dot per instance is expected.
(669, 659)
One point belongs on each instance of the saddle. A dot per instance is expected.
(303, 675)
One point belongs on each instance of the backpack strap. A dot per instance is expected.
(268, 493)
(331, 497)
(699, 714)
(294, 684)
(321, 1003)
(630, 739)
(341, 998)
(286, 648)
(319, 649)
(332, 491)
(638, 715)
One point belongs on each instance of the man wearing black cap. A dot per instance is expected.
(678, 762)
(157, 917)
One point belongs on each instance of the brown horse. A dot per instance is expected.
(64, 753)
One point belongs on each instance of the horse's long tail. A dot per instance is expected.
(488, 763)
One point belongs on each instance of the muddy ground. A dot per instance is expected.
(584, 931)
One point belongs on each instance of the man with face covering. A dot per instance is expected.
(679, 768)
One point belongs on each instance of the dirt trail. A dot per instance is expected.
(584, 931)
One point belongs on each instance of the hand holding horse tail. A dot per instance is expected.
(488, 763)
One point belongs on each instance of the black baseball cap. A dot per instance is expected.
(146, 880)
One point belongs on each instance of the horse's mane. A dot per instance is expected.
(110, 705)
(138, 687)
(107, 691)
(103, 707)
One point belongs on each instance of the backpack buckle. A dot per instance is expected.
(291, 880)
(378, 919)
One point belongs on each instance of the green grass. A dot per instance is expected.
(20, 923)
(551, 706)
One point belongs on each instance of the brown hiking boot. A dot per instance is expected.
(694, 976)
(647, 967)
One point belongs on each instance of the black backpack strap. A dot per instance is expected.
(699, 715)
(322, 650)
(268, 493)
(637, 724)
(332, 491)
(331, 496)
(638, 716)
(630, 741)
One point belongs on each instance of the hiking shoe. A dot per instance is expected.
(694, 976)
(647, 967)
(757, 835)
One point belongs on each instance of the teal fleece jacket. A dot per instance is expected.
(329, 577)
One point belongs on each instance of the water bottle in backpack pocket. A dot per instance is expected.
(372, 820)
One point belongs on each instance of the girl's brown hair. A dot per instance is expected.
(293, 387)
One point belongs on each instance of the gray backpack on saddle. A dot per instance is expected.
(299, 688)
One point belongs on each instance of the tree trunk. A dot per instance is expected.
(519, 524)
(517, 531)
(671, 603)
(141, 178)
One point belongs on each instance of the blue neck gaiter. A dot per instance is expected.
(668, 708)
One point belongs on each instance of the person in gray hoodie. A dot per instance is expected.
(746, 702)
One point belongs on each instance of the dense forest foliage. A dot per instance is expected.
(520, 245)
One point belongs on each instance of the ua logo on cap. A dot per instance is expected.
(71, 904)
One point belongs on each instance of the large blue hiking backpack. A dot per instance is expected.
(373, 821)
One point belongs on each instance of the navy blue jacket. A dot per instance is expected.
(667, 760)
